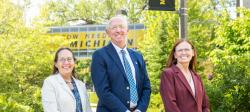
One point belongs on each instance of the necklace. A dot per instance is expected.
(69, 83)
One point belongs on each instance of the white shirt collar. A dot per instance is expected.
(118, 49)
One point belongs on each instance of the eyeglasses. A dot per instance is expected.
(117, 26)
(68, 59)
(185, 49)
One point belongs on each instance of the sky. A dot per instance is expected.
(32, 10)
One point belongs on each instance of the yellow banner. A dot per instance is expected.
(94, 40)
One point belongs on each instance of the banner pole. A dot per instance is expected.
(183, 19)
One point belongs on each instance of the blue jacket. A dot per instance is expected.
(111, 84)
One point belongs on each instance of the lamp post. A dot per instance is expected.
(183, 19)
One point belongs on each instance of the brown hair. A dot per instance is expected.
(172, 60)
(55, 69)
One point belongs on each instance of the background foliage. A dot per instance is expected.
(223, 45)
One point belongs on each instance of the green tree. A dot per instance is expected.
(230, 90)
(25, 61)
(83, 72)
(160, 34)
(155, 45)
(58, 13)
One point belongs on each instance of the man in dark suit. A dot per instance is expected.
(119, 73)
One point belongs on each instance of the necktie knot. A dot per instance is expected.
(123, 52)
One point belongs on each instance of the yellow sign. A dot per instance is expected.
(95, 40)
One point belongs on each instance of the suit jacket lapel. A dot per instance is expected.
(64, 85)
(113, 54)
(183, 80)
(81, 93)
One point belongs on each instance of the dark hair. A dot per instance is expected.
(55, 69)
(172, 60)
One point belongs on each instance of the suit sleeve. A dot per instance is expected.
(205, 101)
(49, 97)
(146, 90)
(101, 84)
(167, 91)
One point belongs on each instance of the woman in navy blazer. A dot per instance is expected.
(62, 92)
(181, 87)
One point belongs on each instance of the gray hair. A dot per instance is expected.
(121, 17)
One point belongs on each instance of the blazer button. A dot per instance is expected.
(127, 102)
(127, 88)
